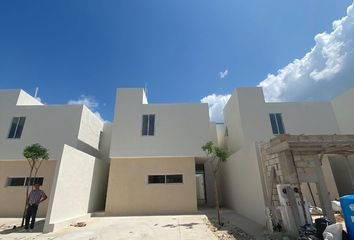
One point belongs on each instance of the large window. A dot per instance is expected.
(165, 179)
(277, 123)
(23, 181)
(16, 127)
(148, 128)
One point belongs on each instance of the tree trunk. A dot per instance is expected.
(26, 202)
(217, 200)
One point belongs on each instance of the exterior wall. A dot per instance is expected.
(233, 124)
(51, 126)
(130, 194)
(316, 117)
(12, 199)
(174, 124)
(90, 128)
(105, 142)
(341, 172)
(79, 188)
(344, 111)
(241, 185)
(247, 119)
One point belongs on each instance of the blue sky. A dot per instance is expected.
(183, 50)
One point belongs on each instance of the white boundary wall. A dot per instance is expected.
(79, 187)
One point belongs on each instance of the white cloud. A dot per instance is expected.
(323, 73)
(89, 102)
(216, 105)
(223, 74)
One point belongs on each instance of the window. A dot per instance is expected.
(226, 132)
(16, 127)
(38, 180)
(156, 179)
(165, 179)
(178, 178)
(148, 128)
(277, 123)
(23, 181)
(16, 181)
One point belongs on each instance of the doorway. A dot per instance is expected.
(200, 184)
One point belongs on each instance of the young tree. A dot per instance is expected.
(35, 155)
(216, 155)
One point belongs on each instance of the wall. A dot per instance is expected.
(316, 117)
(12, 199)
(344, 111)
(341, 173)
(90, 128)
(241, 185)
(233, 123)
(79, 188)
(51, 126)
(174, 124)
(130, 194)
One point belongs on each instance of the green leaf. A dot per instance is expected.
(36, 152)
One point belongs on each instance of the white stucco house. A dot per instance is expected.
(155, 151)
(77, 168)
(249, 120)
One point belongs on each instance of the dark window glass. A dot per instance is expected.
(13, 127)
(156, 179)
(15, 181)
(38, 180)
(20, 127)
(178, 178)
(273, 122)
(226, 132)
(280, 123)
(144, 130)
(151, 125)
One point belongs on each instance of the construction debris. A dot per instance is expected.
(226, 232)
(79, 224)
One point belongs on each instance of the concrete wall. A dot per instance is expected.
(51, 126)
(90, 128)
(79, 188)
(12, 199)
(130, 194)
(241, 185)
(344, 111)
(180, 129)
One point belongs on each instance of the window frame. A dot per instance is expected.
(25, 180)
(279, 123)
(148, 133)
(17, 133)
(165, 179)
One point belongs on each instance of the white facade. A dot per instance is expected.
(72, 134)
(247, 120)
(155, 140)
(180, 129)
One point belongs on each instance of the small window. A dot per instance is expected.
(148, 127)
(226, 132)
(33, 181)
(16, 127)
(172, 178)
(178, 178)
(276, 122)
(23, 181)
(156, 179)
(16, 181)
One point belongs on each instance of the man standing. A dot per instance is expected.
(35, 197)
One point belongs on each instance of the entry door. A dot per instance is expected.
(200, 188)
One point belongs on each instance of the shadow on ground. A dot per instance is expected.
(186, 225)
(38, 228)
